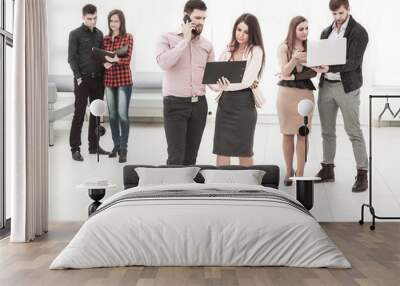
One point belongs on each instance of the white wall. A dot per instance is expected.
(385, 48)
(146, 20)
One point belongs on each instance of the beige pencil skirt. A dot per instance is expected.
(289, 119)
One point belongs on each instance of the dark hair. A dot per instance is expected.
(89, 9)
(194, 4)
(291, 35)
(121, 17)
(336, 4)
(255, 36)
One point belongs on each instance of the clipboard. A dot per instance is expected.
(232, 70)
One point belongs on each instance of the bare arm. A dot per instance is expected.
(287, 66)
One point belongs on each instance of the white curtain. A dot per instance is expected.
(27, 138)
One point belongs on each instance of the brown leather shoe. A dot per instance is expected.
(326, 173)
(361, 183)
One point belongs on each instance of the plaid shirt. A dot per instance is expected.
(120, 73)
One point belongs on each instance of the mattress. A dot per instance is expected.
(201, 225)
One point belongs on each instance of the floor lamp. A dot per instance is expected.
(304, 108)
(98, 108)
(305, 185)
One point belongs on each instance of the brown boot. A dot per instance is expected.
(361, 183)
(326, 173)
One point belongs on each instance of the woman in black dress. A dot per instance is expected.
(236, 114)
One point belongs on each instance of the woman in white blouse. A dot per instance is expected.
(236, 114)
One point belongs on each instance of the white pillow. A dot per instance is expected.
(166, 176)
(247, 177)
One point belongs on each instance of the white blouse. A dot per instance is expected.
(253, 66)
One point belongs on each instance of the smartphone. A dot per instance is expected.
(186, 19)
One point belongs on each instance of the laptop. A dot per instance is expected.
(326, 52)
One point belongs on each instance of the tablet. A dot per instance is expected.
(326, 52)
(233, 71)
(100, 54)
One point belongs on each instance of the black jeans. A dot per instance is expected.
(91, 88)
(184, 124)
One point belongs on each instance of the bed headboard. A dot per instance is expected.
(270, 179)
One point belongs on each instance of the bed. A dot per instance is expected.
(201, 224)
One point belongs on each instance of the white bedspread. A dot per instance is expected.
(200, 231)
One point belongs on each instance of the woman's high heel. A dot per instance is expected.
(287, 181)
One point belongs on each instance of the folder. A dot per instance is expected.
(232, 70)
(100, 54)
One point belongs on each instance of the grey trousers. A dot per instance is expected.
(331, 98)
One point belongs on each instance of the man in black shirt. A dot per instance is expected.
(88, 79)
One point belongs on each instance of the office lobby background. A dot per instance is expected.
(147, 20)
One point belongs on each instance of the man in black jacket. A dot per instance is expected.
(340, 89)
(88, 79)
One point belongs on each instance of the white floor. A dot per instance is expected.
(333, 201)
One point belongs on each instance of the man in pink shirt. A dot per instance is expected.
(183, 56)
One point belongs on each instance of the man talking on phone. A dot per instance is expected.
(183, 56)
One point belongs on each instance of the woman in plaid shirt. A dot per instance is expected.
(118, 82)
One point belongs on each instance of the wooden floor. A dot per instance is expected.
(375, 257)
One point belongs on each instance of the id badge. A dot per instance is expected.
(195, 99)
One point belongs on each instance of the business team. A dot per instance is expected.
(183, 55)
(92, 78)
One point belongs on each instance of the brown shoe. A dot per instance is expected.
(361, 183)
(326, 173)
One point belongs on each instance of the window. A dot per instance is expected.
(2, 195)
(6, 43)
(9, 13)
(7, 81)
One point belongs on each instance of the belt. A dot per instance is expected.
(92, 75)
(241, 90)
(332, 81)
(184, 99)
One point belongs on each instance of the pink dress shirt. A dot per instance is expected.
(183, 63)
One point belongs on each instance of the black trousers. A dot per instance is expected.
(184, 124)
(91, 88)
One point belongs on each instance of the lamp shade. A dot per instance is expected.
(305, 107)
(98, 107)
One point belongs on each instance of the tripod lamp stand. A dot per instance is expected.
(98, 108)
